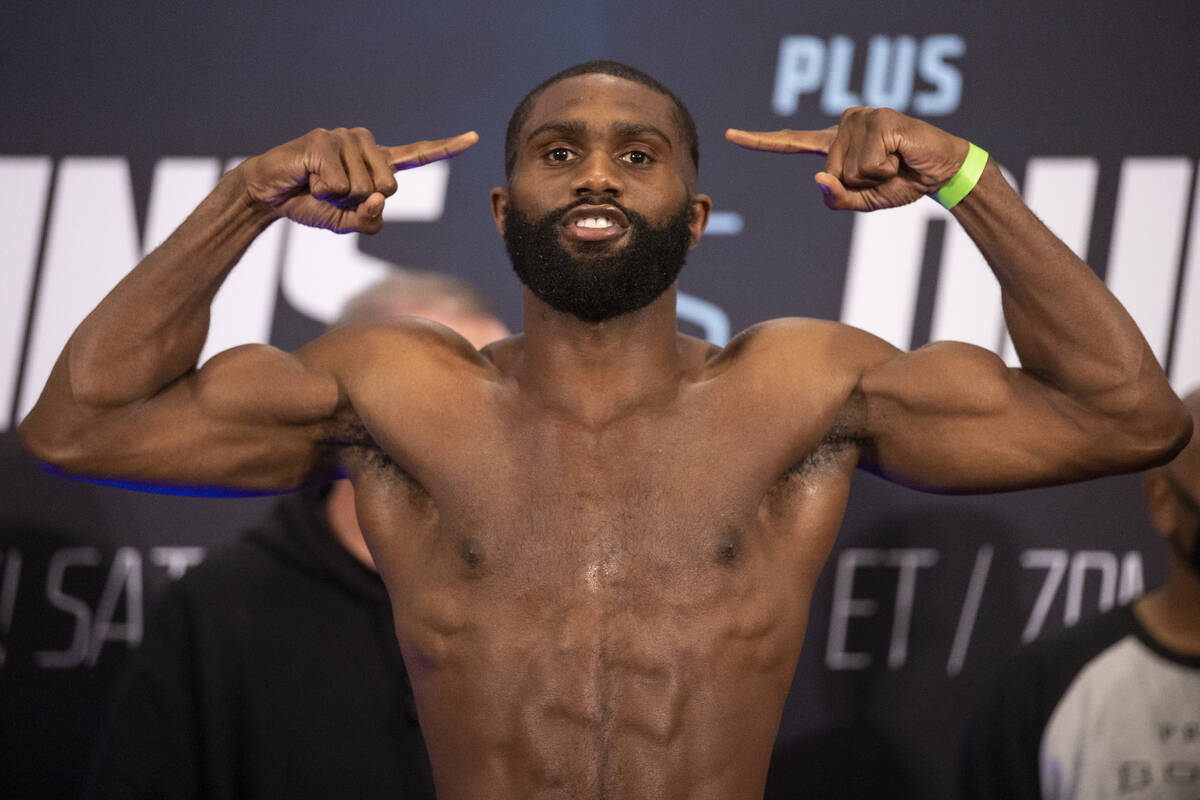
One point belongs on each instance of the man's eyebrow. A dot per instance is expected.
(558, 128)
(632, 130)
(627, 130)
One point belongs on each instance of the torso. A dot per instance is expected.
(602, 612)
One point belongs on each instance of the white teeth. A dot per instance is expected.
(593, 222)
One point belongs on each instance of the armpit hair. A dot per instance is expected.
(352, 441)
(845, 433)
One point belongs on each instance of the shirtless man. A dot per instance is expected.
(600, 537)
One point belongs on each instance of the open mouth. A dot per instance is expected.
(589, 223)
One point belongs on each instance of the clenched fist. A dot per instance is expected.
(338, 179)
(874, 157)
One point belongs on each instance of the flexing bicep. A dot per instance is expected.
(251, 419)
(953, 417)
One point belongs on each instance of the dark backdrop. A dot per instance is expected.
(113, 123)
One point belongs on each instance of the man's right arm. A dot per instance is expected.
(125, 400)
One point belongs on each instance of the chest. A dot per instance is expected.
(540, 500)
(670, 500)
(645, 498)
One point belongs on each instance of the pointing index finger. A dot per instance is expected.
(784, 141)
(418, 154)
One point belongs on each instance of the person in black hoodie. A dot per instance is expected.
(272, 669)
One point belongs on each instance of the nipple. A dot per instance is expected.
(471, 551)
(729, 545)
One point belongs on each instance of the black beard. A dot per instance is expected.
(595, 288)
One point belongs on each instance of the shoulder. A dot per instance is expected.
(807, 330)
(796, 357)
(878, 367)
(410, 340)
(407, 365)
(791, 339)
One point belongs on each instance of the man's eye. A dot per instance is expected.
(559, 154)
(636, 157)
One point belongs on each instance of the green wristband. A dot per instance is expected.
(964, 180)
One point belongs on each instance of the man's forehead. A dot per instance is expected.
(603, 101)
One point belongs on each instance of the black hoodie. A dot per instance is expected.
(271, 670)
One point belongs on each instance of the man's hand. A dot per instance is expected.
(338, 179)
(875, 157)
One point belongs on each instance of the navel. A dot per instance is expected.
(729, 547)
(472, 552)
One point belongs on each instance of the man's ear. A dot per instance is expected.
(499, 204)
(701, 209)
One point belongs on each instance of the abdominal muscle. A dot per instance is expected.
(590, 686)
(582, 634)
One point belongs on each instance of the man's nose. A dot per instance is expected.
(598, 174)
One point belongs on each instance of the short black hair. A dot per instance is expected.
(602, 67)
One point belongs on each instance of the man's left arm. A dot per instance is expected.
(1089, 399)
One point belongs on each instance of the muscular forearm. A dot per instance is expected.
(125, 397)
(151, 327)
(1068, 329)
(1090, 400)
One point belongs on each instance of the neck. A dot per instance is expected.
(597, 371)
(1172, 614)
